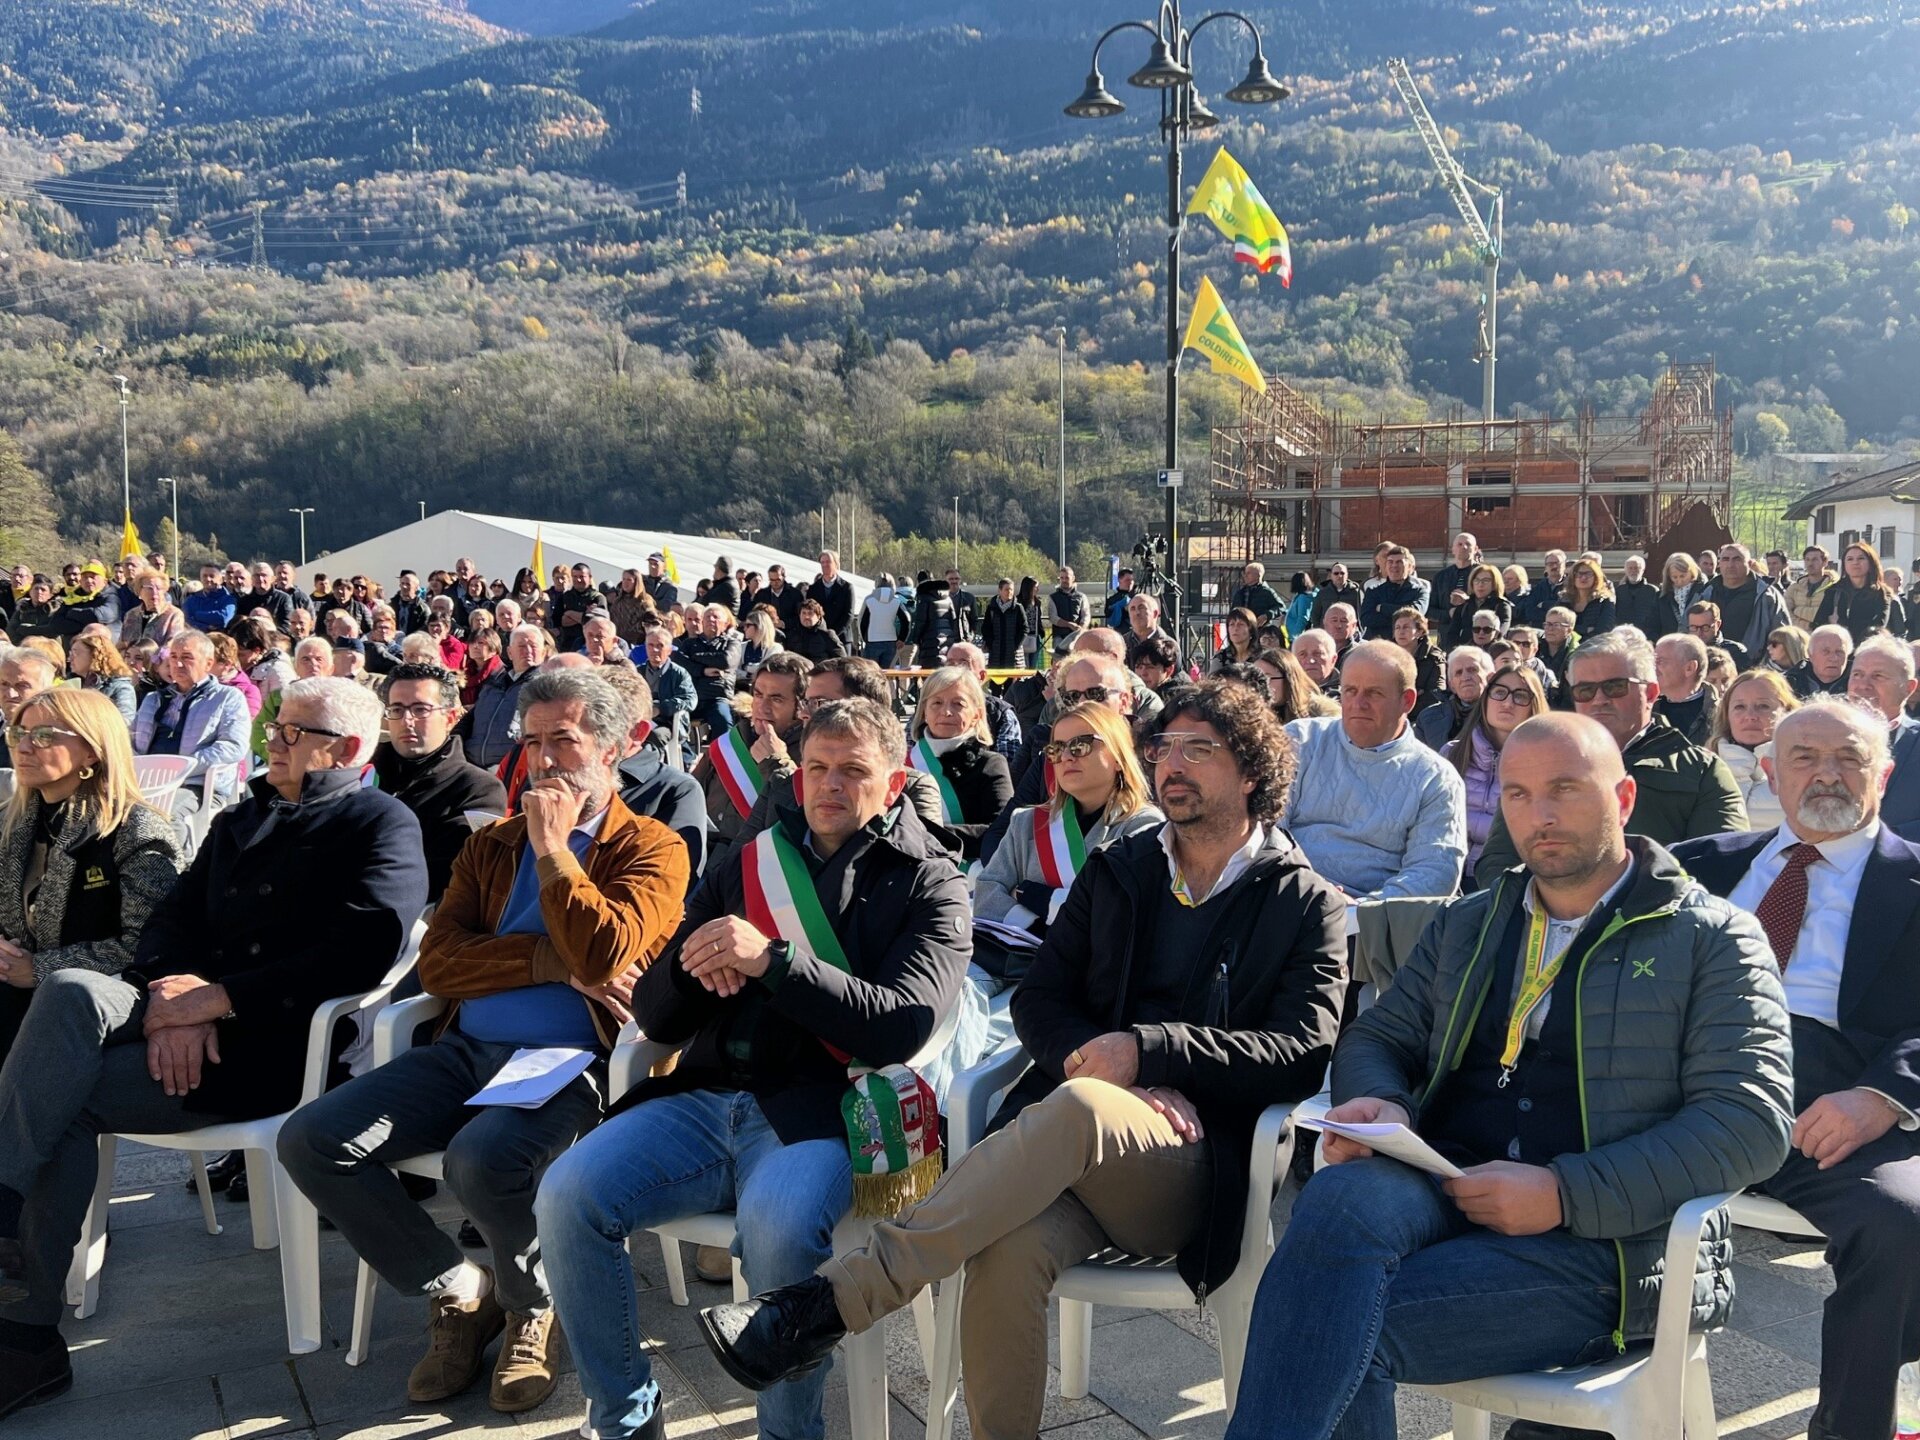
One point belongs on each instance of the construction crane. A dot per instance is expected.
(1486, 230)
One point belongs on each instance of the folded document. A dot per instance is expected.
(1395, 1141)
(533, 1077)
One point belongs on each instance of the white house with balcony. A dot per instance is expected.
(1881, 508)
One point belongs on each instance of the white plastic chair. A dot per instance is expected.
(1657, 1393)
(160, 776)
(281, 1215)
(1112, 1277)
(1763, 1212)
(220, 789)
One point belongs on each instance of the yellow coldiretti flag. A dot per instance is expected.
(1212, 332)
(130, 539)
(669, 564)
(1227, 196)
(539, 558)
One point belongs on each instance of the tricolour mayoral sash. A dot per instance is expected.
(891, 1115)
(739, 772)
(1058, 842)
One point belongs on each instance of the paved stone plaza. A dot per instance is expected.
(189, 1344)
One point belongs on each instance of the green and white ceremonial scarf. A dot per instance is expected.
(891, 1115)
(922, 758)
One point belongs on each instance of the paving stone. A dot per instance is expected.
(1163, 1380)
(181, 1410)
(1763, 1296)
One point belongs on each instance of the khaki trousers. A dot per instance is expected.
(1090, 1166)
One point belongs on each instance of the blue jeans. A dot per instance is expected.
(879, 651)
(691, 1154)
(1379, 1279)
(717, 714)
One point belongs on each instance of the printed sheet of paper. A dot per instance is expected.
(1010, 936)
(1396, 1142)
(533, 1077)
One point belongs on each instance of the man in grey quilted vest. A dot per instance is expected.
(1592, 1042)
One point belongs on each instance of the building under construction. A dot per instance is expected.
(1291, 483)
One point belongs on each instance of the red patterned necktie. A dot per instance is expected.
(1784, 905)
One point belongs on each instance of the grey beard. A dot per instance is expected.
(1831, 814)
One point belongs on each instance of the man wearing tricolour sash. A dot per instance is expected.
(1194, 976)
(814, 961)
(736, 769)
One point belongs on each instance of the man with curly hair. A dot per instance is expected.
(1194, 976)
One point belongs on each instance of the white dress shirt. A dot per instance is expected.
(1234, 869)
(1813, 971)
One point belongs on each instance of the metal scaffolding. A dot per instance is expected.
(1289, 482)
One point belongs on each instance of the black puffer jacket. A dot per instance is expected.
(1262, 1005)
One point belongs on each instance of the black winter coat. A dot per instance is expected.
(440, 789)
(1003, 631)
(1637, 603)
(815, 642)
(1861, 611)
(982, 783)
(288, 906)
(900, 910)
(1459, 629)
(1262, 1009)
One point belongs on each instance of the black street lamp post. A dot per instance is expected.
(1169, 70)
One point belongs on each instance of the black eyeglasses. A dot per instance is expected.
(419, 714)
(1092, 695)
(1585, 690)
(1078, 748)
(1510, 695)
(288, 733)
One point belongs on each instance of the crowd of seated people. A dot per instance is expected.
(1667, 836)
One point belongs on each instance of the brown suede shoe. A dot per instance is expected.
(529, 1363)
(457, 1340)
(713, 1264)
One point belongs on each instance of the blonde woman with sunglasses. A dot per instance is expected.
(83, 858)
(1100, 795)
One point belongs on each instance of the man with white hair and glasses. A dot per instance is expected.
(303, 891)
(1838, 894)
(1882, 676)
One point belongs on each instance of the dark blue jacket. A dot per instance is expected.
(287, 906)
(1378, 605)
(1880, 978)
(1900, 806)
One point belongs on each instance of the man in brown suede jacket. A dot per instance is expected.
(547, 922)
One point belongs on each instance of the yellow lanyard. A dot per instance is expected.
(1536, 980)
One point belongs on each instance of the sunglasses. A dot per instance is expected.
(1585, 690)
(37, 737)
(1092, 695)
(1483, 629)
(1192, 749)
(1078, 748)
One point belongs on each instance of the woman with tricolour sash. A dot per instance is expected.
(1099, 795)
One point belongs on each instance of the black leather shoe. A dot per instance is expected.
(13, 1273)
(221, 1170)
(775, 1336)
(470, 1236)
(26, 1377)
(1537, 1430)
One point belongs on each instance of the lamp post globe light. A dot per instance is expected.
(1169, 71)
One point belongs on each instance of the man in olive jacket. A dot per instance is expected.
(1681, 792)
(1194, 976)
(1593, 1043)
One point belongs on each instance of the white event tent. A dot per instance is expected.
(501, 544)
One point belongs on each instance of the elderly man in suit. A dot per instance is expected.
(1839, 896)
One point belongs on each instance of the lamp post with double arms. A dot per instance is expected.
(1169, 70)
